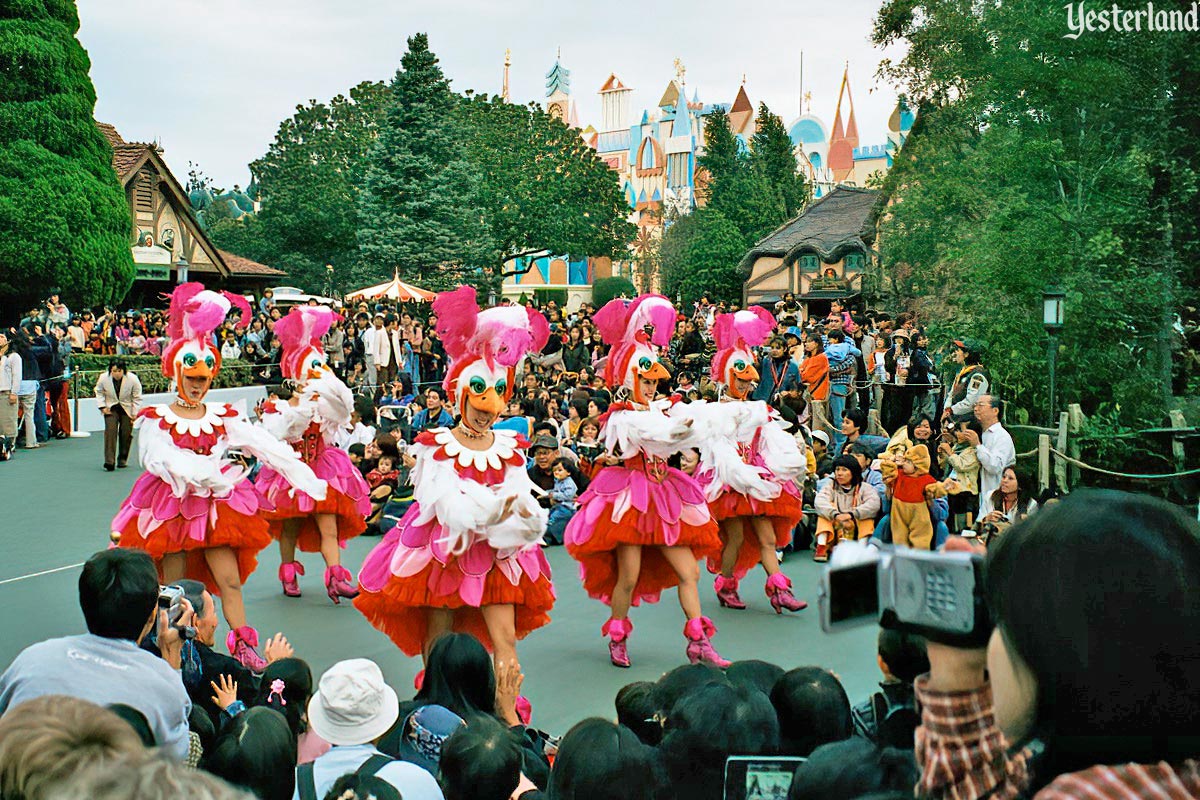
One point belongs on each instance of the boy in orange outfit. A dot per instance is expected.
(912, 488)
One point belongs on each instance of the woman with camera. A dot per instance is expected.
(1090, 683)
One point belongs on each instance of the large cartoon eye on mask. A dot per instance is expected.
(501, 387)
(477, 385)
(209, 361)
(739, 365)
(189, 360)
(644, 364)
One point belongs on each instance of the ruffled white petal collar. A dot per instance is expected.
(504, 444)
(193, 427)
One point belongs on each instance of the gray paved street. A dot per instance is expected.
(57, 502)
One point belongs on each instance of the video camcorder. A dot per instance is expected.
(938, 595)
(170, 599)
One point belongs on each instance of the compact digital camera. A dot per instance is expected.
(938, 595)
(170, 599)
(759, 777)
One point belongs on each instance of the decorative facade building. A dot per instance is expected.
(169, 244)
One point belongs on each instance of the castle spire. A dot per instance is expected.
(504, 95)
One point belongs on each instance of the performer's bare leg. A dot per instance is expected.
(734, 532)
(683, 561)
(501, 621)
(629, 567)
(327, 525)
(439, 621)
(766, 543)
(222, 561)
(287, 540)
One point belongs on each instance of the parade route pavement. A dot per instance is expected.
(57, 503)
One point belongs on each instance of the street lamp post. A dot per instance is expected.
(329, 280)
(1052, 321)
(491, 298)
(181, 270)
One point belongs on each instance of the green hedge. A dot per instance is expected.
(605, 289)
(87, 368)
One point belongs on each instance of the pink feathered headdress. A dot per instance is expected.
(740, 330)
(300, 331)
(500, 335)
(193, 314)
(625, 326)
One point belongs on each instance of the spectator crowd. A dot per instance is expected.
(1089, 687)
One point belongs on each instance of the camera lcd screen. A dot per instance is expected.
(853, 593)
(759, 778)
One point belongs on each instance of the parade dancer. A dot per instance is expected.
(466, 555)
(320, 407)
(641, 525)
(193, 509)
(757, 508)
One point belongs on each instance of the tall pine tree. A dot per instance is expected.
(741, 193)
(772, 155)
(64, 222)
(417, 212)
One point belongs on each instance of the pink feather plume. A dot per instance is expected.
(457, 314)
(654, 311)
(611, 320)
(300, 331)
(748, 328)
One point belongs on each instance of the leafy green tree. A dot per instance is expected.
(311, 178)
(64, 221)
(605, 289)
(419, 211)
(700, 254)
(540, 186)
(741, 193)
(772, 156)
(1026, 168)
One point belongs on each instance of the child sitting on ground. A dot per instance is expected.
(563, 493)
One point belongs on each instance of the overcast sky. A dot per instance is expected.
(212, 79)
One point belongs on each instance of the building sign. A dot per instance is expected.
(152, 272)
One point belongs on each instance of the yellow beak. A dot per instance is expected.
(657, 372)
(748, 374)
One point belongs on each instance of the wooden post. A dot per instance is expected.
(1075, 420)
(1060, 465)
(1177, 421)
(1043, 463)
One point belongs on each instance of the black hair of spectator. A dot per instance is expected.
(860, 449)
(118, 592)
(137, 720)
(581, 407)
(362, 788)
(636, 707)
(858, 417)
(1092, 556)
(438, 390)
(297, 690)
(851, 464)
(256, 751)
(915, 423)
(836, 335)
(357, 449)
(365, 408)
(480, 762)
(532, 407)
(813, 710)
(592, 421)
(545, 426)
(849, 769)
(601, 403)
(754, 673)
(281, 390)
(201, 724)
(998, 404)
(682, 681)
(459, 676)
(599, 759)
(567, 465)
(904, 654)
(118, 363)
(709, 725)
(386, 443)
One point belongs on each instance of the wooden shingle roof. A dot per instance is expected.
(838, 221)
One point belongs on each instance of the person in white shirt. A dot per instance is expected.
(352, 709)
(995, 450)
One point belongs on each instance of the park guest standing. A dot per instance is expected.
(119, 395)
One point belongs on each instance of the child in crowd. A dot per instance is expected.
(563, 493)
(890, 717)
(383, 481)
(912, 488)
(588, 447)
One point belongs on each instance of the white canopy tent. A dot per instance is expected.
(395, 289)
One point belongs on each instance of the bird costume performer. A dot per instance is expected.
(466, 555)
(642, 526)
(193, 509)
(309, 422)
(748, 463)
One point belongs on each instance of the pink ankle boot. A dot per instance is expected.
(287, 576)
(727, 594)
(779, 591)
(242, 643)
(617, 631)
(339, 583)
(699, 648)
